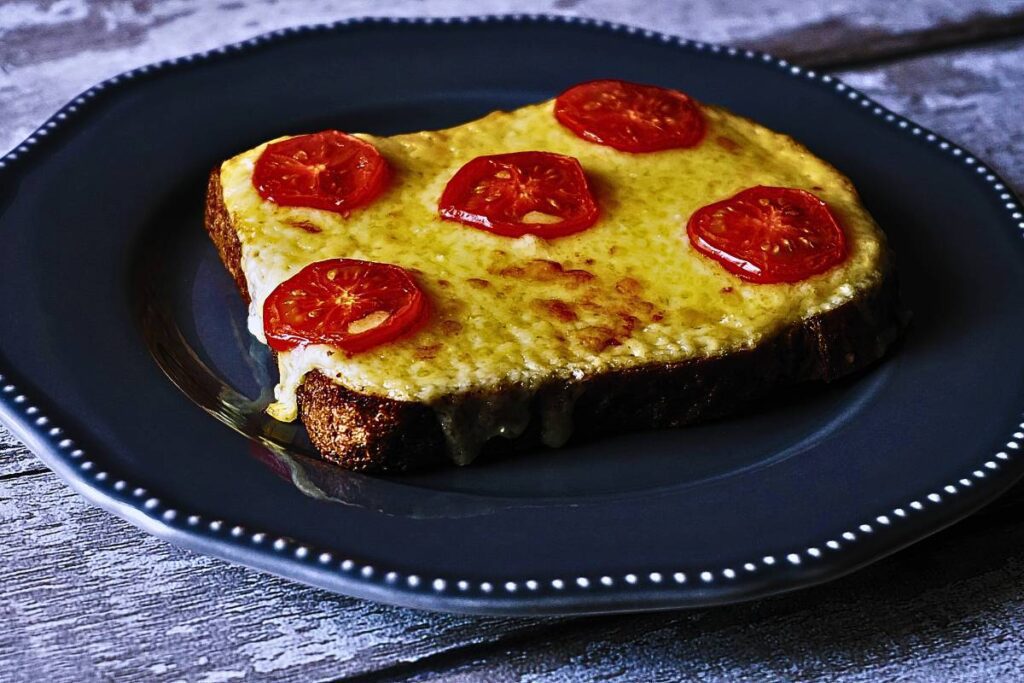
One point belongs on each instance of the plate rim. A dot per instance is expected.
(879, 536)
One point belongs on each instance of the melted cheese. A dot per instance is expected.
(513, 314)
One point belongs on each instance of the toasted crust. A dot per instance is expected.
(223, 233)
(375, 434)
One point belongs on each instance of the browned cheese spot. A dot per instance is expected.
(728, 144)
(628, 286)
(309, 227)
(426, 352)
(543, 270)
(450, 327)
(597, 338)
(558, 309)
(627, 323)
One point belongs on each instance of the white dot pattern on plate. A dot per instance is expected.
(159, 511)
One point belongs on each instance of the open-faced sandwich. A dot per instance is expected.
(619, 258)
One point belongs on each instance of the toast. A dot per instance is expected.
(624, 326)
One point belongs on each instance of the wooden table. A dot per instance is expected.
(86, 596)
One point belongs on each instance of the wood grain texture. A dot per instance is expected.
(973, 97)
(951, 608)
(51, 51)
(14, 457)
(88, 597)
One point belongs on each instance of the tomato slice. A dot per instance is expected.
(329, 170)
(353, 305)
(629, 116)
(769, 234)
(522, 193)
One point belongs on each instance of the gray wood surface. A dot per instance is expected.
(973, 96)
(51, 51)
(14, 457)
(86, 596)
(951, 608)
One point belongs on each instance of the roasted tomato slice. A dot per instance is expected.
(769, 234)
(353, 305)
(328, 170)
(523, 193)
(629, 116)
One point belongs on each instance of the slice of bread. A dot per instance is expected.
(621, 327)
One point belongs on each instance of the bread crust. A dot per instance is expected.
(222, 231)
(375, 434)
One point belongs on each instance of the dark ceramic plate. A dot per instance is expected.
(120, 336)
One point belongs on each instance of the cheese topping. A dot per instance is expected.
(515, 313)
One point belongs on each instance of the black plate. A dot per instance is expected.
(105, 267)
